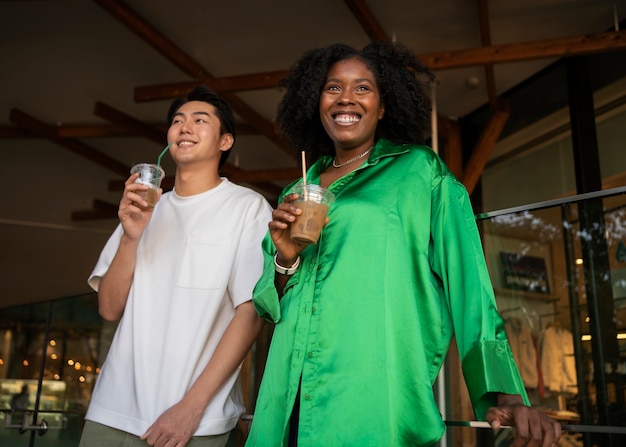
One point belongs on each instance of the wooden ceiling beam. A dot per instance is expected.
(452, 147)
(517, 52)
(486, 142)
(47, 131)
(240, 83)
(367, 19)
(186, 63)
(447, 60)
(153, 37)
(74, 131)
(132, 124)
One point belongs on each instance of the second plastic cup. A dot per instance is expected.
(314, 202)
(150, 175)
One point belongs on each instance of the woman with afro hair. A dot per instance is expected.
(364, 318)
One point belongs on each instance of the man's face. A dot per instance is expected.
(195, 134)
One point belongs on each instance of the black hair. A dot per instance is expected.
(222, 109)
(401, 79)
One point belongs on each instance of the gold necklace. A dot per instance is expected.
(335, 165)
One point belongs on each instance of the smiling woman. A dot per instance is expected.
(365, 316)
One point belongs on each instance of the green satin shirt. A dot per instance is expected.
(366, 321)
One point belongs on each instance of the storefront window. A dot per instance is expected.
(49, 359)
(559, 274)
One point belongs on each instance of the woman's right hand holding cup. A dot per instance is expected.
(287, 249)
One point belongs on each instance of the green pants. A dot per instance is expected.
(98, 435)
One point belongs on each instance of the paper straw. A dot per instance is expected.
(304, 167)
(163, 153)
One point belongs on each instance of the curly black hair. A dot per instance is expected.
(401, 80)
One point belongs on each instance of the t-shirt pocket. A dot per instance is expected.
(203, 262)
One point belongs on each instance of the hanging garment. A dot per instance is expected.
(557, 359)
(523, 347)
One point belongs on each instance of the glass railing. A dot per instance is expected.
(559, 273)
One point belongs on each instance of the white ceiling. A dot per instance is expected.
(61, 57)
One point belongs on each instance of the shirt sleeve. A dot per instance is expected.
(457, 257)
(105, 259)
(247, 266)
(265, 296)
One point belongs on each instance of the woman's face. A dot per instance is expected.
(350, 105)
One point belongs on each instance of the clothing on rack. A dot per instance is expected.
(523, 347)
(556, 345)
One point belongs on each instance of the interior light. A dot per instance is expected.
(579, 261)
(53, 343)
(620, 336)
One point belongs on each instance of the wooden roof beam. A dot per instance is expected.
(480, 155)
(452, 154)
(128, 122)
(447, 60)
(50, 132)
(517, 52)
(367, 19)
(240, 83)
(186, 63)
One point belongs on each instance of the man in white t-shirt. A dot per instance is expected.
(179, 279)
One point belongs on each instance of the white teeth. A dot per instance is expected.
(185, 143)
(347, 118)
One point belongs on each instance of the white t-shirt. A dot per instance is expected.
(199, 258)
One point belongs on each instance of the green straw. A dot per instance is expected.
(163, 153)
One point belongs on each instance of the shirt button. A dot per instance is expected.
(307, 396)
(313, 309)
(309, 354)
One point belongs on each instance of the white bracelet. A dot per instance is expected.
(286, 270)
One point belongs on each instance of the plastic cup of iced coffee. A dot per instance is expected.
(150, 175)
(314, 201)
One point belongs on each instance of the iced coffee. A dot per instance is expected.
(314, 201)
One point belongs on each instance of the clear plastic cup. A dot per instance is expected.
(314, 201)
(150, 175)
